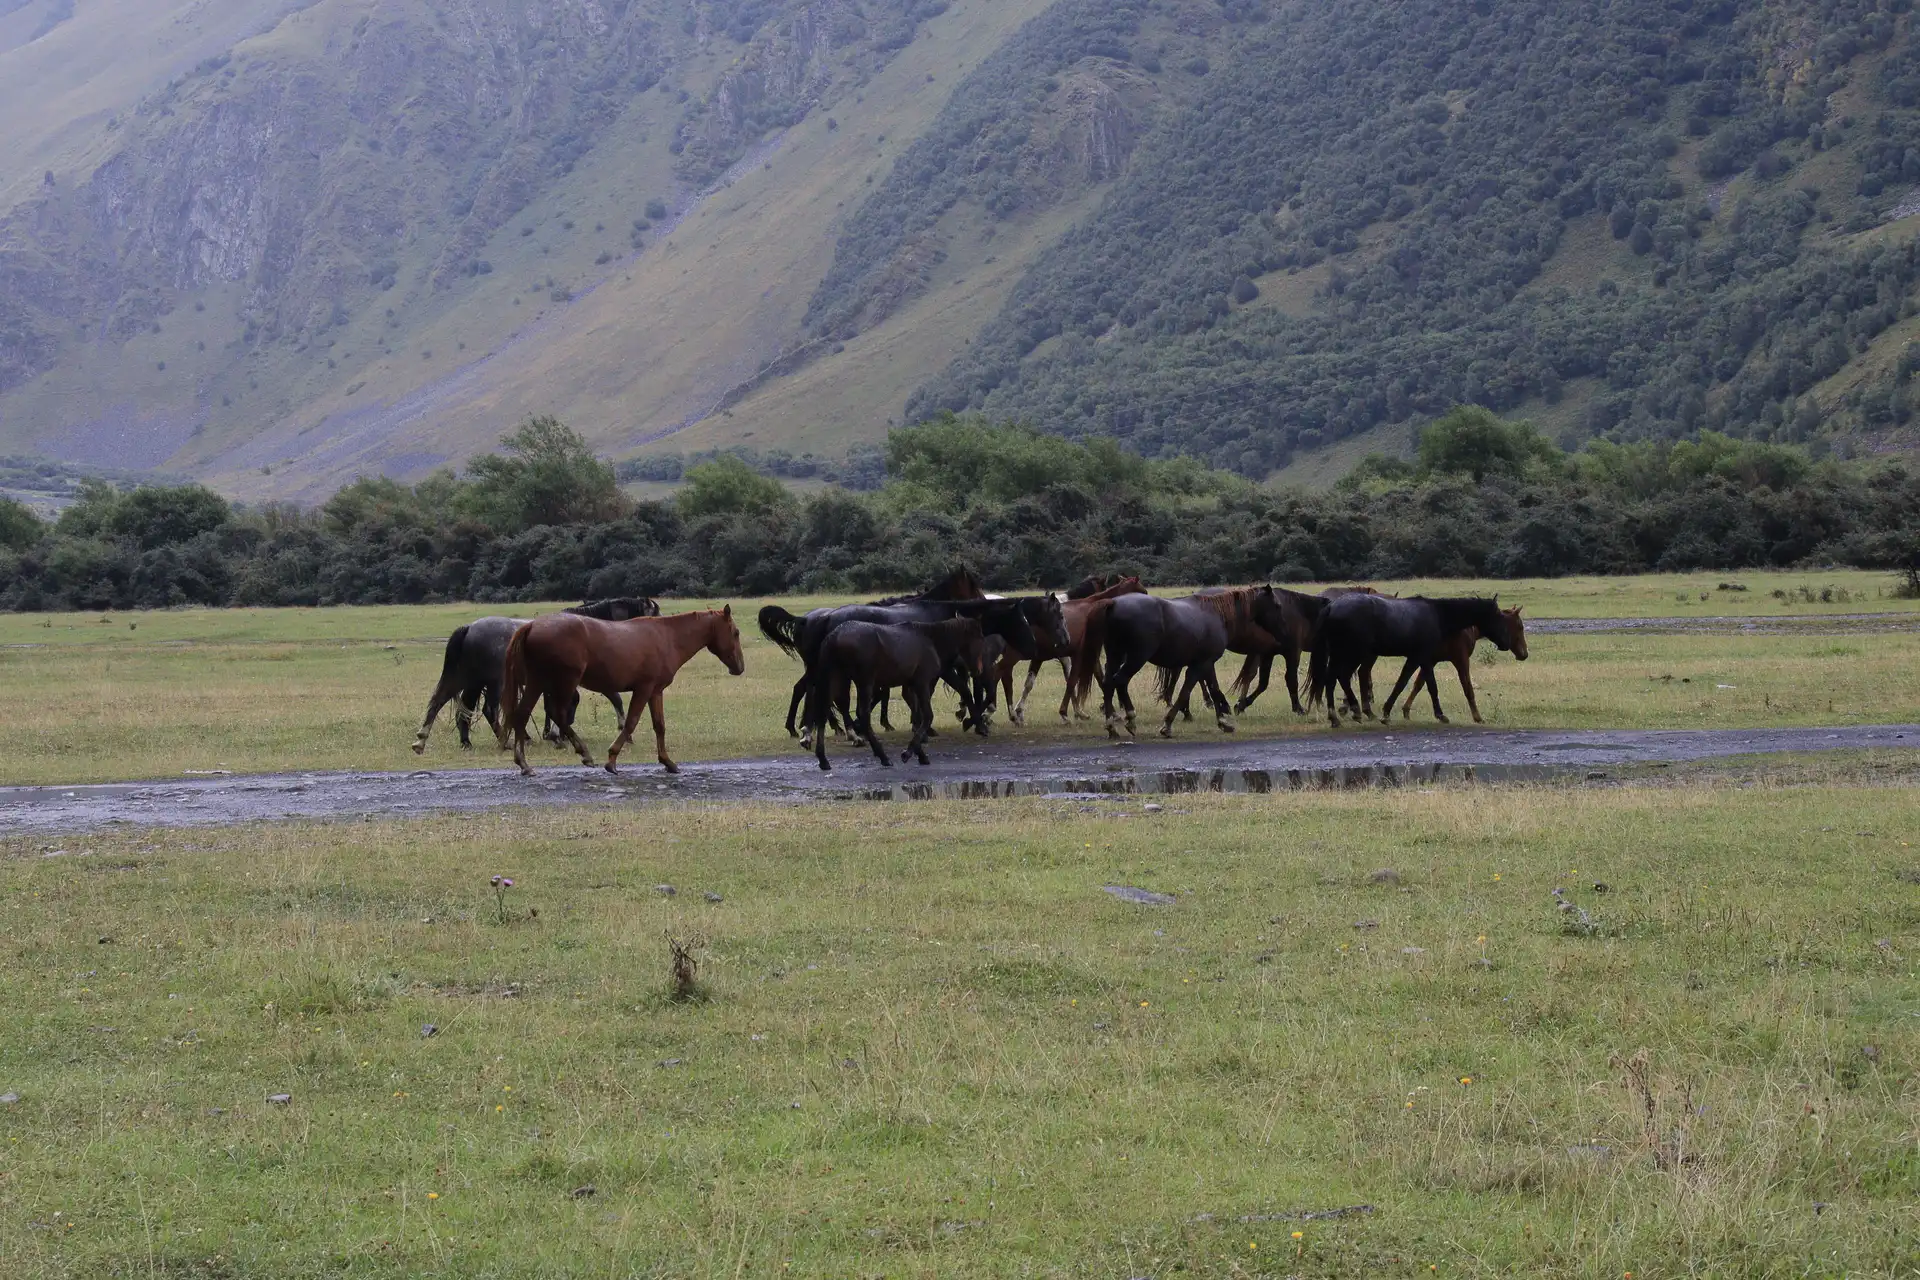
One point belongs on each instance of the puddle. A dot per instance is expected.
(998, 768)
(1173, 782)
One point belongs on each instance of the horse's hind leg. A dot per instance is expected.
(793, 707)
(863, 721)
(920, 701)
(1293, 681)
(1406, 674)
(1210, 680)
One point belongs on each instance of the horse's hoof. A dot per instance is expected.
(525, 772)
(419, 748)
(670, 766)
(1226, 726)
(610, 768)
(1166, 731)
(825, 767)
(1443, 720)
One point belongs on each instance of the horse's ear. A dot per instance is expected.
(726, 611)
(1517, 608)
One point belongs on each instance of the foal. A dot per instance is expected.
(558, 654)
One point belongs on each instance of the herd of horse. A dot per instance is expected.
(1103, 631)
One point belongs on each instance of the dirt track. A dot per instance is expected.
(960, 768)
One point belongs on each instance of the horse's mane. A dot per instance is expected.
(958, 585)
(1460, 612)
(1233, 604)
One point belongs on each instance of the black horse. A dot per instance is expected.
(1186, 635)
(476, 653)
(1013, 620)
(870, 657)
(1361, 628)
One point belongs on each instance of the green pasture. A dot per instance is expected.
(928, 1044)
(157, 694)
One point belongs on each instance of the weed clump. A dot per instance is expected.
(683, 983)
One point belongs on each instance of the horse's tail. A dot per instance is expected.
(513, 679)
(1318, 679)
(1249, 672)
(1164, 681)
(781, 627)
(455, 643)
(1093, 643)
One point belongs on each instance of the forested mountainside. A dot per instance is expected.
(1430, 167)
(367, 236)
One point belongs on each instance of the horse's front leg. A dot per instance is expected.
(793, 707)
(441, 694)
(1433, 688)
(1293, 682)
(628, 724)
(1017, 711)
(920, 703)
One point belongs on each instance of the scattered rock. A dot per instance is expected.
(1413, 951)
(1385, 875)
(1483, 963)
(1145, 897)
(586, 1192)
(1601, 886)
(1265, 957)
(1591, 1151)
(216, 1111)
(671, 1062)
(714, 897)
(280, 1099)
(1870, 1052)
(1366, 924)
(106, 939)
(1151, 808)
(429, 1031)
(8, 1099)
(665, 890)
(1596, 775)
(1908, 875)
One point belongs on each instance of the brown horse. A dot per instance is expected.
(1075, 656)
(558, 654)
(1459, 651)
(1288, 623)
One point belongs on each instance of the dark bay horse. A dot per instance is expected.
(470, 670)
(1361, 628)
(1074, 655)
(1459, 651)
(1268, 622)
(871, 657)
(1186, 635)
(555, 656)
(800, 636)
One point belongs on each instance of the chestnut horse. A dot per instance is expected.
(1076, 656)
(558, 654)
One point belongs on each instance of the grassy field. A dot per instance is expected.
(928, 1044)
(259, 690)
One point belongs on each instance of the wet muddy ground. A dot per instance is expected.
(1825, 624)
(961, 768)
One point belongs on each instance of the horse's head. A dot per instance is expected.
(971, 644)
(1516, 632)
(1493, 623)
(1045, 614)
(723, 641)
(1007, 618)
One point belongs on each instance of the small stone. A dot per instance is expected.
(8, 1099)
(1385, 875)
(1366, 924)
(665, 890)
(714, 897)
(1413, 951)
(1151, 807)
(1144, 897)
(1483, 963)
(1870, 1052)
(105, 939)
(280, 1099)
(586, 1192)
(216, 1111)
(428, 1031)
(1601, 886)
(671, 1062)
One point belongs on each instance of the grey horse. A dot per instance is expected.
(476, 653)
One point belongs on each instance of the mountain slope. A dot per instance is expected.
(278, 245)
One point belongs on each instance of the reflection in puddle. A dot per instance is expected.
(1227, 781)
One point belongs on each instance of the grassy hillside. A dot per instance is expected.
(286, 244)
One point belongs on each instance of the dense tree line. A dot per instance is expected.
(544, 519)
(1426, 160)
